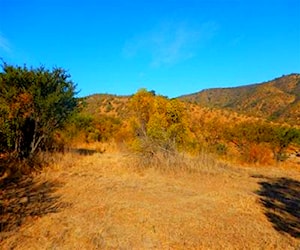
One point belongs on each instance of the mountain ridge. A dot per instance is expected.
(276, 100)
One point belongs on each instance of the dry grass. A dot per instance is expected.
(113, 203)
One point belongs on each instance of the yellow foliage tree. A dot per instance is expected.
(159, 123)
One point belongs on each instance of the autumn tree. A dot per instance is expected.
(34, 102)
(282, 137)
(160, 124)
(142, 106)
(276, 137)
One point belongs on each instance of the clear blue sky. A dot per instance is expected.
(174, 47)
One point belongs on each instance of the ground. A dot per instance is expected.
(106, 201)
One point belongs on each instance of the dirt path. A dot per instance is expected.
(101, 202)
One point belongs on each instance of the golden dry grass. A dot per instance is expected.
(115, 204)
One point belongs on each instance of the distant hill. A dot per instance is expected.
(106, 104)
(277, 100)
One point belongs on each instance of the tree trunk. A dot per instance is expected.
(36, 140)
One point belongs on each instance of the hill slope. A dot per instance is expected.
(99, 104)
(277, 100)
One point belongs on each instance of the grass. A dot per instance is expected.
(114, 202)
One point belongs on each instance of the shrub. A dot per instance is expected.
(34, 103)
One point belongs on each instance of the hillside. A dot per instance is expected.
(149, 172)
(99, 104)
(277, 100)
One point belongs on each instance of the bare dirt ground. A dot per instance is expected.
(105, 201)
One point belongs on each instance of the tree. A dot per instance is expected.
(160, 124)
(33, 104)
(277, 137)
(142, 106)
(283, 136)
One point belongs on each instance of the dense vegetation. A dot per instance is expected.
(34, 104)
(155, 125)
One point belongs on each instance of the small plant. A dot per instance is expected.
(221, 149)
(108, 107)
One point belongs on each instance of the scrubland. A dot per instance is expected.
(113, 200)
(145, 171)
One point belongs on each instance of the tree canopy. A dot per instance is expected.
(158, 122)
(34, 102)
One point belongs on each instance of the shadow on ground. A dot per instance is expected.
(281, 200)
(22, 200)
(84, 151)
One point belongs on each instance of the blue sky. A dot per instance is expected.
(174, 47)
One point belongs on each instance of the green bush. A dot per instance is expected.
(34, 103)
